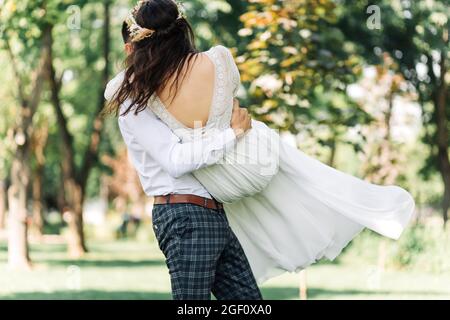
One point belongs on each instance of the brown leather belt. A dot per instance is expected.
(189, 198)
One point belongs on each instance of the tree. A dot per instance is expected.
(415, 34)
(2, 204)
(28, 93)
(123, 186)
(75, 177)
(38, 143)
(296, 66)
(215, 21)
(31, 26)
(381, 93)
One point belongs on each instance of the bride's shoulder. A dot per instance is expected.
(219, 47)
(221, 50)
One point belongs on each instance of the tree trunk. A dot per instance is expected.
(2, 204)
(75, 180)
(73, 191)
(442, 136)
(39, 142)
(303, 288)
(18, 257)
(38, 218)
(74, 216)
(333, 147)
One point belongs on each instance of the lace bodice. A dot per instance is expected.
(226, 84)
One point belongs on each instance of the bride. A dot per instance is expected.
(287, 209)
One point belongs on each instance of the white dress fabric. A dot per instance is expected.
(287, 209)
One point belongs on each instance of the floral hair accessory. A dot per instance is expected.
(138, 33)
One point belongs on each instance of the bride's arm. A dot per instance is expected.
(159, 142)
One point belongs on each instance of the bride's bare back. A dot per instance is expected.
(192, 103)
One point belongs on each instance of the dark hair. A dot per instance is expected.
(125, 33)
(155, 59)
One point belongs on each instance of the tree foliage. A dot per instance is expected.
(295, 63)
(416, 35)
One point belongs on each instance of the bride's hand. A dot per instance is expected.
(241, 121)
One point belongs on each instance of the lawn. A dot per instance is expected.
(136, 270)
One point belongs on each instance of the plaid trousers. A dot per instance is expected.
(203, 254)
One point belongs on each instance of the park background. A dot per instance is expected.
(362, 86)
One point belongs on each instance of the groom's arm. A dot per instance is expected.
(165, 147)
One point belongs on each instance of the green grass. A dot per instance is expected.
(136, 270)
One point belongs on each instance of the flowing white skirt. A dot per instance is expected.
(306, 210)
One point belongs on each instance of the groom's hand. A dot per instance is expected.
(241, 121)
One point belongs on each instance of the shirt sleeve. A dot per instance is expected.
(175, 157)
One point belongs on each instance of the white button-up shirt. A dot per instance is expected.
(163, 163)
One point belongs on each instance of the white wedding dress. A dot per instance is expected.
(287, 209)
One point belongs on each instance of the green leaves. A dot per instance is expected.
(293, 51)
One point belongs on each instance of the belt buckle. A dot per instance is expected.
(205, 202)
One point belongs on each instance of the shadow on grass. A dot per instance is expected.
(88, 295)
(86, 262)
(114, 263)
(48, 248)
(268, 294)
(39, 247)
(287, 293)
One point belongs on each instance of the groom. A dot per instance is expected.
(202, 252)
